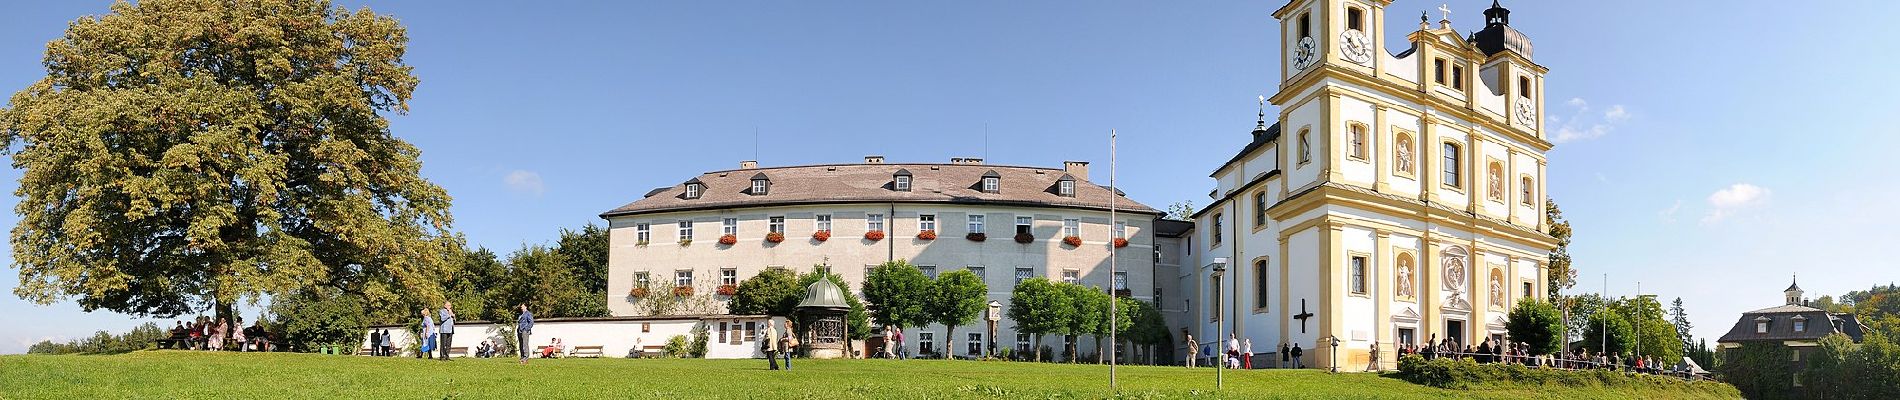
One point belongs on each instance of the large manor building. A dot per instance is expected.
(1004, 223)
(1397, 196)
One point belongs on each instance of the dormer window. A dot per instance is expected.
(694, 188)
(1761, 324)
(1065, 186)
(900, 181)
(992, 182)
(1800, 323)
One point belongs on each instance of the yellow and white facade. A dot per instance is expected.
(1398, 198)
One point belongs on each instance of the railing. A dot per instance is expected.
(1562, 363)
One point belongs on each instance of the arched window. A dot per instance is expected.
(1525, 191)
(1452, 161)
(1402, 153)
(1407, 276)
(1306, 146)
(1356, 140)
(1495, 178)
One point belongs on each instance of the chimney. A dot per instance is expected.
(1078, 169)
(873, 159)
(748, 164)
(966, 161)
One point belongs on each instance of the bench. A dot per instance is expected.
(586, 351)
(174, 343)
(463, 351)
(366, 351)
(649, 351)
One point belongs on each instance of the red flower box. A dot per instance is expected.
(774, 237)
(1025, 238)
(728, 290)
(1120, 242)
(638, 292)
(682, 291)
(927, 235)
(976, 236)
(1072, 241)
(728, 240)
(874, 235)
(821, 236)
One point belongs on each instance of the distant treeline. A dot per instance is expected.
(140, 338)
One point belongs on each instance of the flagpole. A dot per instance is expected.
(1112, 235)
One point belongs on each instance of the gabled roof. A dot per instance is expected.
(901, 172)
(1780, 319)
(870, 183)
(760, 177)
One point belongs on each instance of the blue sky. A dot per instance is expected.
(1708, 150)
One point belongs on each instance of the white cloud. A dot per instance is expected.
(1727, 202)
(1669, 214)
(1583, 125)
(524, 182)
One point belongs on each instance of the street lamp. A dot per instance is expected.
(1220, 269)
(1334, 340)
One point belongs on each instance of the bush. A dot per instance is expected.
(1467, 375)
(678, 346)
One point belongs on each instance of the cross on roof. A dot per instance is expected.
(1444, 11)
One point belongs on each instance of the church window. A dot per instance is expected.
(1306, 146)
(1438, 71)
(1214, 237)
(1458, 77)
(1358, 282)
(1452, 157)
(1356, 134)
(1306, 25)
(1524, 87)
(1355, 18)
(1527, 290)
(1495, 178)
(1259, 209)
(1525, 192)
(1260, 285)
(1402, 156)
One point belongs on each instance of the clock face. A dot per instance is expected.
(1305, 53)
(1526, 115)
(1354, 46)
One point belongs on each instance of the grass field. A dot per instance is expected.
(197, 375)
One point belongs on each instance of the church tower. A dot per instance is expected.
(1793, 293)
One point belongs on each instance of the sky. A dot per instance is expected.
(1708, 150)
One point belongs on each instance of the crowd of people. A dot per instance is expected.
(1519, 353)
(206, 333)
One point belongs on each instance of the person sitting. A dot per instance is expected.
(486, 349)
(552, 350)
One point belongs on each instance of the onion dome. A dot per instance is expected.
(1498, 36)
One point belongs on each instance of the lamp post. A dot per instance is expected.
(996, 314)
(1334, 340)
(1220, 269)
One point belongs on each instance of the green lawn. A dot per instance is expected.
(195, 375)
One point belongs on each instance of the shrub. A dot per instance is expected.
(1466, 375)
(677, 346)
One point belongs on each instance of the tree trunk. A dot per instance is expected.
(949, 341)
(1037, 347)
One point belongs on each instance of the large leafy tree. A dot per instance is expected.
(900, 293)
(1039, 307)
(1149, 328)
(181, 154)
(1537, 323)
(1608, 330)
(774, 291)
(540, 277)
(586, 252)
(957, 298)
(1090, 308)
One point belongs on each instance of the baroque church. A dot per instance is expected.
(1396, 197)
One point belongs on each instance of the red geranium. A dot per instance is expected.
(927, 235)
(682, 291)
(821, 235)
(874, 235)
(638, 292)
(728, 290)
(728, 240)
(1072, 241)
(1120, 242)
(774, 237)
(976, 236)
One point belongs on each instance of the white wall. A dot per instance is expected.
(616, 336)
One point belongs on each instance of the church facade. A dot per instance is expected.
(1396, 197)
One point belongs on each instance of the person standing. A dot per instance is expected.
(1373, 364)
(428, 336)
(791, 344)
(524, 325)
(1193, 348)
(1296, 356)
(902, 352)
(771, 344)
(1286, 355)
(1246, 353)
(387, 349)
(375, 342)
(1231, 359)
(448, 329)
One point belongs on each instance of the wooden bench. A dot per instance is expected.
(463, 351)
(586, 351)
(649, 351)
(366, 351)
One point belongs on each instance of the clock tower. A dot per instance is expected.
(1342, 33)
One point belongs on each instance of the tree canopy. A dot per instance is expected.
(1039, 307)
(774, 291)
(1537, 323)
(958, 297)
(184, 154)
(900, 292)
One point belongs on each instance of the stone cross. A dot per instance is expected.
(1444, 11)
(1303, 315)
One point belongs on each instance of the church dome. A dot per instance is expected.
(1498, 36)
